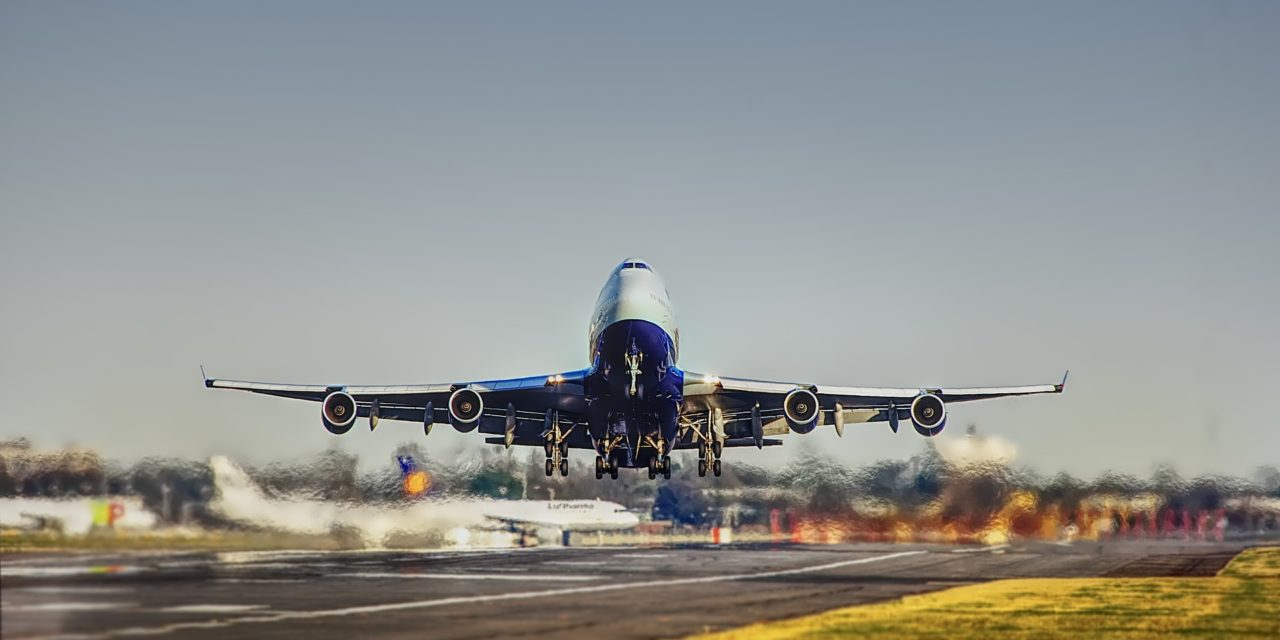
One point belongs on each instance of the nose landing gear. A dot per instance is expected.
(634, 357)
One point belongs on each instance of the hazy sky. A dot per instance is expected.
(890, 193)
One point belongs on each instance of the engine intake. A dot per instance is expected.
(928, 415)
(465, 409)
(338, 412)
(801, 410)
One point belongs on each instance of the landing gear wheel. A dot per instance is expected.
(564, 466)
(715, 468)
(716, 450)
(599, 467)
(666, 467)
(702, 468)
(613, 472)
(547, 448)
(549, 467)
(653, 468)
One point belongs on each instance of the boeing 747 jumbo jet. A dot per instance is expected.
(633, 405)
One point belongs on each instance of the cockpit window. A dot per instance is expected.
(636, 265)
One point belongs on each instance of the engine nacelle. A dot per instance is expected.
(801, 410)
(465, 408)
(338, 412)
(928, 415)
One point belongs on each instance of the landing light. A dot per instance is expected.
(556, 379)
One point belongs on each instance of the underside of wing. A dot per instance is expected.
(520, 408)
(740, 407)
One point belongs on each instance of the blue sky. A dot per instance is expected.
(846, 193)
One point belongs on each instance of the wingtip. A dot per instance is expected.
(208, 382)
(1063, 385)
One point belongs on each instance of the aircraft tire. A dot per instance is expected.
(715, 468)
(702, 467)
(564, 466)
(549, 468)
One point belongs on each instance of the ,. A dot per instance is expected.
(632, 406)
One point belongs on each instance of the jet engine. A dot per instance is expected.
(338, 412)
(801, 410)
(465, 408)
(928, 415)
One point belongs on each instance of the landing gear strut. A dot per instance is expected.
(713, 465)
(606, 461)
(556, 445)
(604, 468)
(712, 446)
(660, 466)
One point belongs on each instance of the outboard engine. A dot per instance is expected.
(928, 415)
(801, 410)
(338, 412)
(465, 408)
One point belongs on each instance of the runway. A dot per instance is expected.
(613, 592)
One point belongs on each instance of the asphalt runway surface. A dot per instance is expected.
(597, 592)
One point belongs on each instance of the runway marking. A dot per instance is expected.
(441, 602)
(577, 563)
(255, 566)
(212, 608)
(73, 590)
(241, 557)
(464, 576)
(258, 580)
(59, 572)
(997, 547)
(68, 606)
(93, 558)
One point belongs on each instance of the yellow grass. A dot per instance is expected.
(1243, 601)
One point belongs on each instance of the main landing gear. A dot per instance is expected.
(557, 459)
(556, 446)
(606, 462)
(660, 466)
(604, 467)
(709, 458)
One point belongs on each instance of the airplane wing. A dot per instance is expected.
(527, 402)
(738, 400)
(517, 410)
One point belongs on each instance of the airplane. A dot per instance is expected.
(632, 406)
(75, 516)
(238, 498)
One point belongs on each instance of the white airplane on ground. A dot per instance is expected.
(239, 499)
(632, 405)
(75, 516)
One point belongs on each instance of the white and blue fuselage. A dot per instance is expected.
(633, 389)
